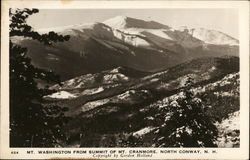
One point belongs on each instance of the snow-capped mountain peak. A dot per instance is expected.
(68, 27)
(210, 36)
(122, 22)
(117, 22)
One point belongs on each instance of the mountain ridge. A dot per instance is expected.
(133, 105)
(128, 22)
(95, 47)
(125, 24)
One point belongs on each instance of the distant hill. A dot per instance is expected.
(104, 110)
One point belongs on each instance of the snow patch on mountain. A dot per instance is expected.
(91, 105)
(130, 38)
(227, 80)
(227, 94)
(115, 77)
(159, 33)
(232, 123)
(229, 130)
(126, 94)
(210, 36)
(116, 22)
(139, 31)
(61, 95)
(143, 131)
(68, 28)
(121, 22)
(92, 91)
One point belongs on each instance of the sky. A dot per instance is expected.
(224, 20)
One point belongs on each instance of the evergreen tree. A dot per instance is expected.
(32, 122)
(186, 123)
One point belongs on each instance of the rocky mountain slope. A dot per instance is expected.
(211, 36)
(107, 111)
(147, 46)
(119, 74)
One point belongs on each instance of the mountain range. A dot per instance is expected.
(125, 102)
(123, 41)
(118, 75)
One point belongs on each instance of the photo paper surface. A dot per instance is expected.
(125, 80)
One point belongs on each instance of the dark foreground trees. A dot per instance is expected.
(32, 123)
(186, 123)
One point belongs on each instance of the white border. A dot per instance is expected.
(222, 153)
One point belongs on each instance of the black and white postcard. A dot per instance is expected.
(125, 79)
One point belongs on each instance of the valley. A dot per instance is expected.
(121, 76)
(109, 108)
